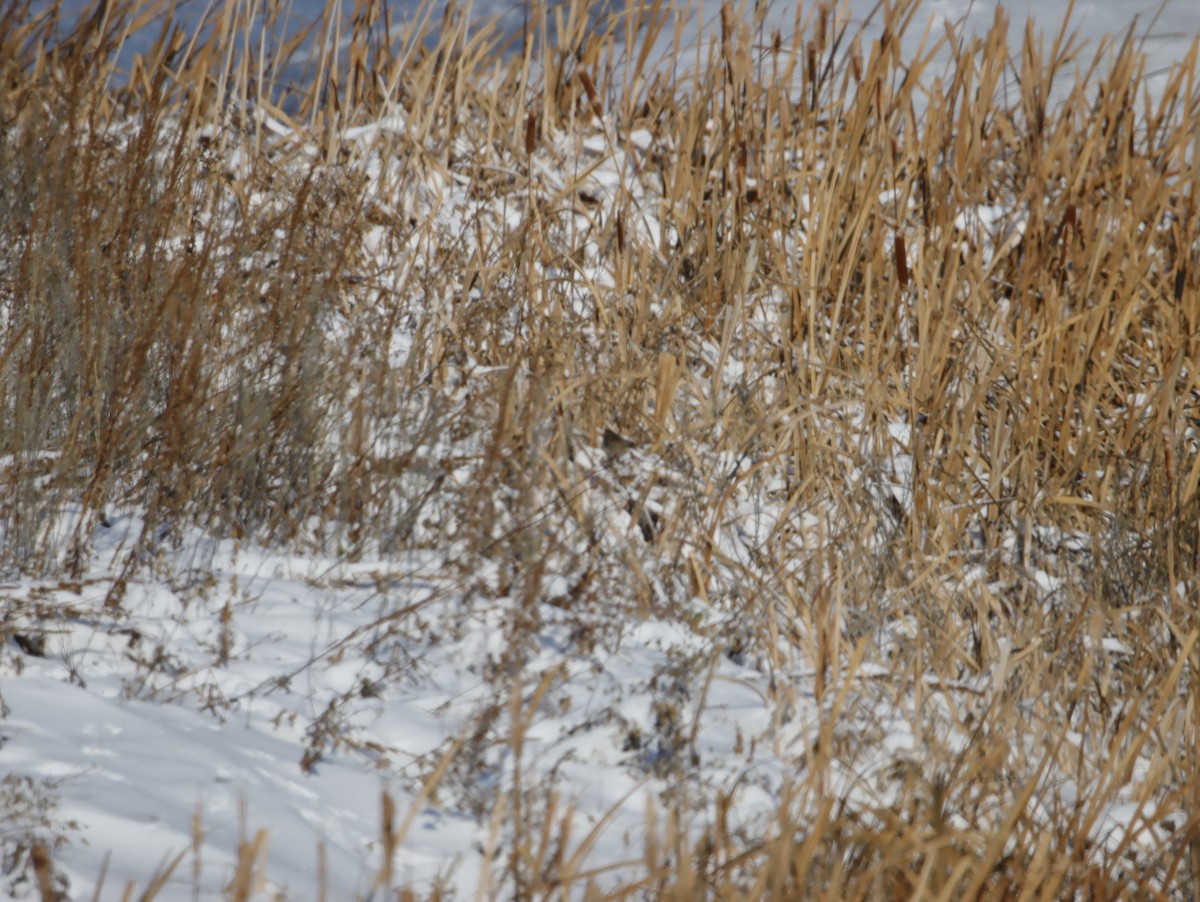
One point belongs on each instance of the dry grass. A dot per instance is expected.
(222, 307)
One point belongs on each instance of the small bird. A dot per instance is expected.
(616, 444)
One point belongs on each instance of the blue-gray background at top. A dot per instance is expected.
(1167, 26)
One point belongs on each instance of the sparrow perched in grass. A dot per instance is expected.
(616, 444)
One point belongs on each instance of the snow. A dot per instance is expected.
(170, 710)
(174, 709)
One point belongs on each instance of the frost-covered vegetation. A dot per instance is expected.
(771, 475)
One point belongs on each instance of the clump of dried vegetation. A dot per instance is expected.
(899, 364)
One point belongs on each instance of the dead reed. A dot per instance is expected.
(899, 363)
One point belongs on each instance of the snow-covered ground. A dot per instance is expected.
(269, 698)
(239, 690)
